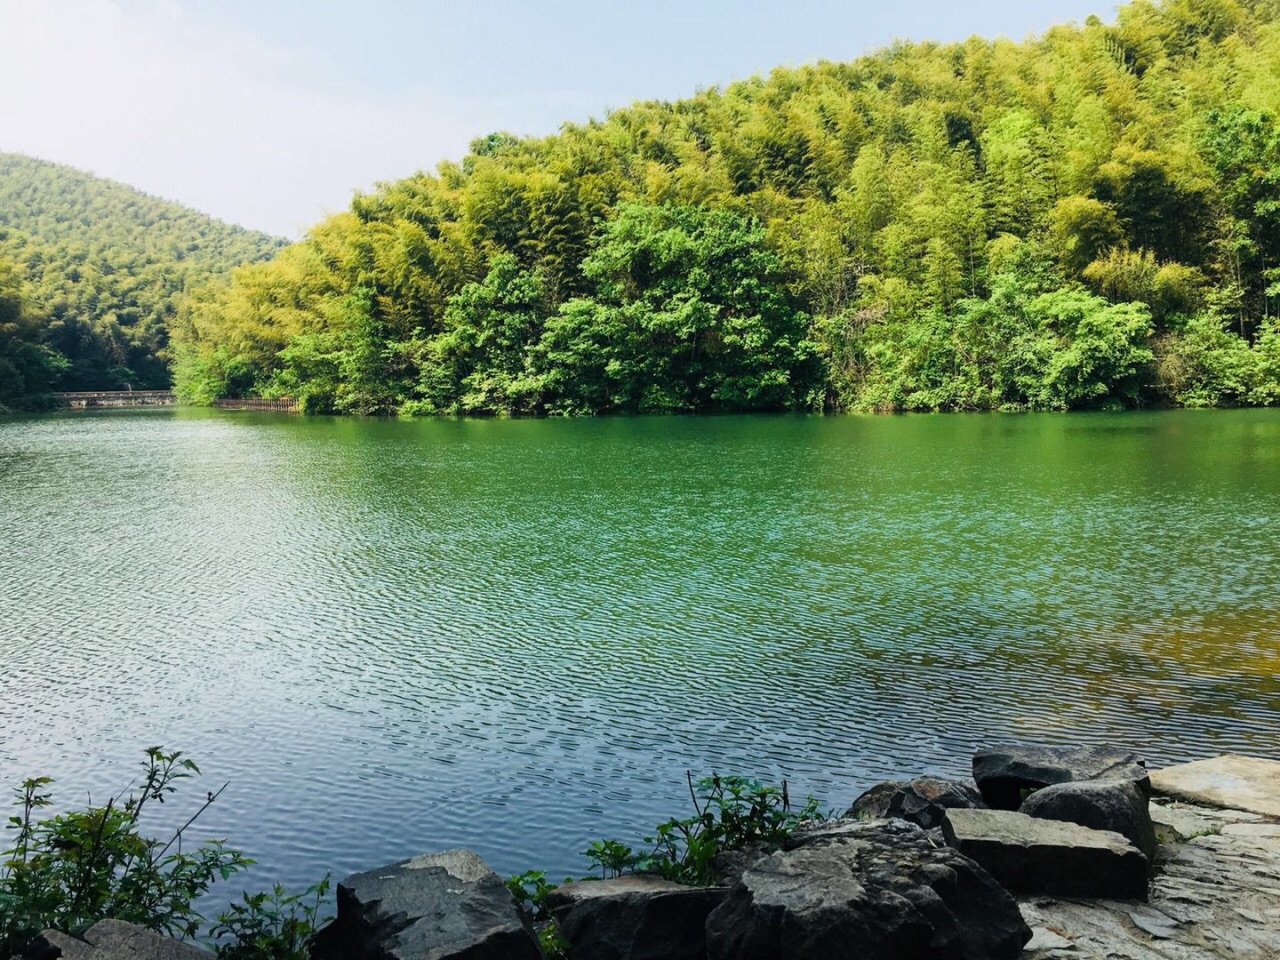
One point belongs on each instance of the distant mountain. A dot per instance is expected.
(105, 265)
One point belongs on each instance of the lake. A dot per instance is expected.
(517, 636)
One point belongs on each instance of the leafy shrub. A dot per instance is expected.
(612, 857)
(68, 871)
(271, 926)
(73, 869)
(734, 813)
(730, 813)
(530, 890)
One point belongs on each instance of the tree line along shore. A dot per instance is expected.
(1086, 218)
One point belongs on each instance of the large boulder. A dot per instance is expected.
(437, 906)
(112, 940)
(923, 801)
(633, 918)
(1006, 774)
(1048, 857)
(866, 890)
(728, 866)
(1115, 805)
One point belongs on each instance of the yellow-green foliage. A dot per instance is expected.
(909, 204)
(106, 267)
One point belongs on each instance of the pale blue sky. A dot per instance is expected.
(270, 112)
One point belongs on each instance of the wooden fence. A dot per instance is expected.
(281, 405)
(165, 398)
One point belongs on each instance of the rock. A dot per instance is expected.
(1245, 783)
(112, 940)
(923, 801)
(1004, 774)
(633, 918)
(730, 865)
(1159, 925)
(436, 906)
(1257, 832)
(1215, 897)
(1115, 805)
(1174, 823)
(1048, 857)
(1043, 940)
(866, 890)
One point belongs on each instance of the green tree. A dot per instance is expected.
(690, 313)
(28, 368)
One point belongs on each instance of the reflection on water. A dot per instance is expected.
(516, 636)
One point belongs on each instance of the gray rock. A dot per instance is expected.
(1116, 805)
(1212, 899)
(1244, 783)
(730, 865)
(633, 918)
(437, 906)
(1154, 923)
(112, 940)
(1048, 857)
(922, 801)
(866, 890)
(1005, 774)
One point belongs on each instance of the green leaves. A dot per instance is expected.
(869, 234)
(611, 856)
(272, 925)
(730, 813)
(72, 869)
(690, 313)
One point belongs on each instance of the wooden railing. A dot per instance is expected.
(165, 398)
(279, 405)
(118, 398)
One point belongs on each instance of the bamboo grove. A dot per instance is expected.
(1086, 218)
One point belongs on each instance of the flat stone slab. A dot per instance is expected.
(1215, 896)
(112, 940)
(1238, 782)
(1028, 855)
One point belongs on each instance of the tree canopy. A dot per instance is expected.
(105, 268)
(1090, 217)
(1087, 217)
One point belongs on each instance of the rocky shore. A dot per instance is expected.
(1048, 854)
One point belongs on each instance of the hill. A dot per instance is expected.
(1089, 217)
(105, 267)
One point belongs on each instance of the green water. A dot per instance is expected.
(518, 635)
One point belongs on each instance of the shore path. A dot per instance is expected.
(1216, 887)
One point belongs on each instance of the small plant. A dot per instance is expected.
(530, 890)
(73, 869)
(612, 857)
(554, 946)
(271, 926)
(730, 813)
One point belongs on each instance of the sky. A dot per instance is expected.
(271, 113)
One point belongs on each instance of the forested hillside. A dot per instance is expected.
(1088, 217)
(105, 267)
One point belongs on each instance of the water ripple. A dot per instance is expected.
(517, 636)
